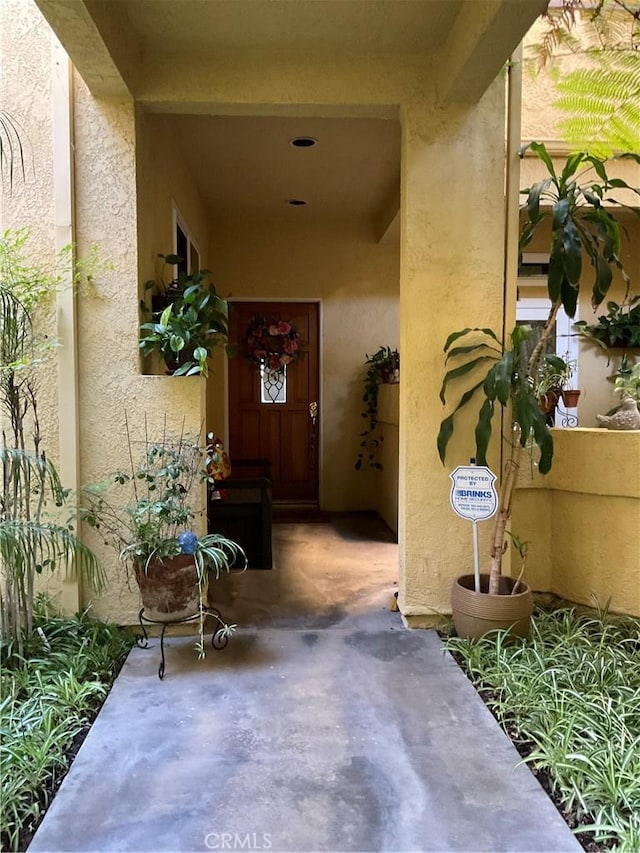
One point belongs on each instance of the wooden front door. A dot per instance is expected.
(283, 431)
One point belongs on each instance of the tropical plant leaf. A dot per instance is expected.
(572, 252)
(463, 369)
(540, 149)
(502, 379)
(446, 427)
(455, 335)
(483, 431)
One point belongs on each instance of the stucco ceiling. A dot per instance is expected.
(364, 26)
(203, 67)
(245, 165)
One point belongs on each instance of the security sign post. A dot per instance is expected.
(474, 497)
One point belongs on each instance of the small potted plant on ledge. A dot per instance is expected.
(384, 368)
(147, 512)
(188, 320)
(503, 378)
(554, 377)
(618, 328)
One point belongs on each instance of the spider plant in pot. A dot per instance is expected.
(497, 375)
(147, 512)
(553, 381)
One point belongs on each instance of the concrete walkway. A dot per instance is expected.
(350, 734)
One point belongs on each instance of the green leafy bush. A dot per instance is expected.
(570, 698)
(49, 693)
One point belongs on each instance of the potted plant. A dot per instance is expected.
(627, 379)
(625, 415)
(500, 375)
(188, 320)
(147, 512)
(554, 377)
(619, 327)
(384, 368)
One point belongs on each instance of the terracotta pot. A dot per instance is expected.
(169, 588)
(476, 613)
(549, 400)
(570, 397)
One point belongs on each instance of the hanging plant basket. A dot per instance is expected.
(273, 343)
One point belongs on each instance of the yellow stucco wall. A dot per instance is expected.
(583, 519)
(162, 181)
(452, 247)
(110, 379)
(109, 376)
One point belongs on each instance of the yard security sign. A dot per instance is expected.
(474, 497)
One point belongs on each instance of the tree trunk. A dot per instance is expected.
(512, 468)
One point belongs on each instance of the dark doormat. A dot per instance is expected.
(289, 514)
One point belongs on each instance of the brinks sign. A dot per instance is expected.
(473, 494)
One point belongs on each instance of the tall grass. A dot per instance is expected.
(49, 692)
(571, 695)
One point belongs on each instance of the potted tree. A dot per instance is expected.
(188, 320)
(147, 512)
(499, 374)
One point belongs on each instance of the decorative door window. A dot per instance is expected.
(273, 384)
(272, 345)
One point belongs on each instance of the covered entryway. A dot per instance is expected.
(150, 75)
(274, 412)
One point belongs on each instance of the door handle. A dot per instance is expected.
(313, 412)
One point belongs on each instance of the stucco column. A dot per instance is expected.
(452, 239)
(69, 465)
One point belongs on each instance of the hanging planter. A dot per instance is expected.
(570, 397)
(273, 344)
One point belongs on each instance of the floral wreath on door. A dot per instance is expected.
(272, 343)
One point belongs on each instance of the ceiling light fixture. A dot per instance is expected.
(303, 142)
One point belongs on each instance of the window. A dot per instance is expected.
(273, 384)
(184, 245)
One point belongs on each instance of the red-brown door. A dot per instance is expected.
(285, 431)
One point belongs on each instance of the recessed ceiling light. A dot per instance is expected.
(296, 202)
(303, 142)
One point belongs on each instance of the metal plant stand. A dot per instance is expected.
(566, 418)
(219, 638)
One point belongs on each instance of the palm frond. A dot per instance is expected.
(601, 105)
(11, 148)
(19, 465)
(15, 328)
(44, 546)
